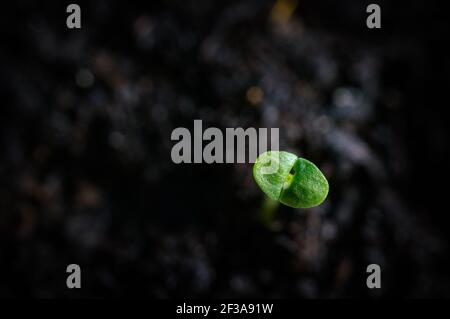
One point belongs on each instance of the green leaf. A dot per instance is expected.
(294, 181)
(271, 170)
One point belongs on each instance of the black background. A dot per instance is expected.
(139, 225)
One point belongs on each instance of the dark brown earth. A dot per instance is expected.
(86, 175)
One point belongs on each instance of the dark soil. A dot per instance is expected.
(86, 175)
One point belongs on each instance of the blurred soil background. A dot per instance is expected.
(86, 175)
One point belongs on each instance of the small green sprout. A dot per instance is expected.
(292, 180)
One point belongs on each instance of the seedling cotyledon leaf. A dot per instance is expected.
(292, 180)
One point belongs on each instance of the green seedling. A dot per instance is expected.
(291, 180)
